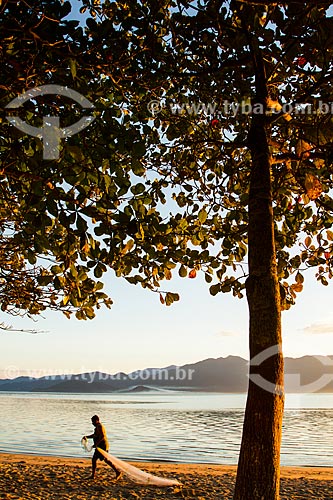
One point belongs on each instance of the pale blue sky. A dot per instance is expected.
(139, 332)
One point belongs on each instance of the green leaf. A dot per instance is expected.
(215, 289)
(80, 314)
(137, 167)
(182, 272)
(170, 298)
(138, 188)
(81, 224)
(76, 152)
(98, 271)
(45, 280)
(89, 312)
(31, 257)
(56, 270)
(139, 149)
(208, 278)
(202, 216)
(72, 65)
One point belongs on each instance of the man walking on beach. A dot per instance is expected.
(100, 441)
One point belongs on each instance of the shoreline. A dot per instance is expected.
(40, 477)
(311, 471)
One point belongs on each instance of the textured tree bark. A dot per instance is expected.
(258, 474)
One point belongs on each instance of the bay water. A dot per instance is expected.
(161, 426)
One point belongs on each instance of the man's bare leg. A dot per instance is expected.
(118, 473)
(94, 466)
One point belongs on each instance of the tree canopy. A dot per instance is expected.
(65, 222)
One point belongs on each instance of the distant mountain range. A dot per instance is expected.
(305, 374)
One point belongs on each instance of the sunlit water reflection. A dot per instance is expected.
(190, 427)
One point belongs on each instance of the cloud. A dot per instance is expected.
(225, 333)
(319, 328)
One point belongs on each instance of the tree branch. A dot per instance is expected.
(9, 328)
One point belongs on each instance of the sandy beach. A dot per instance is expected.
(28, 477)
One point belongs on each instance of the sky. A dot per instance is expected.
(139, 332)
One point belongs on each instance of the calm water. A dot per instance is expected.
(190, 427)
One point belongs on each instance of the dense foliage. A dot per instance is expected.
(103, 203)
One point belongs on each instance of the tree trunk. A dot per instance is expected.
(258, 474)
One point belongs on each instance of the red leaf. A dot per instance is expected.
(162, 299)
(192, 274)
(301, 61)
